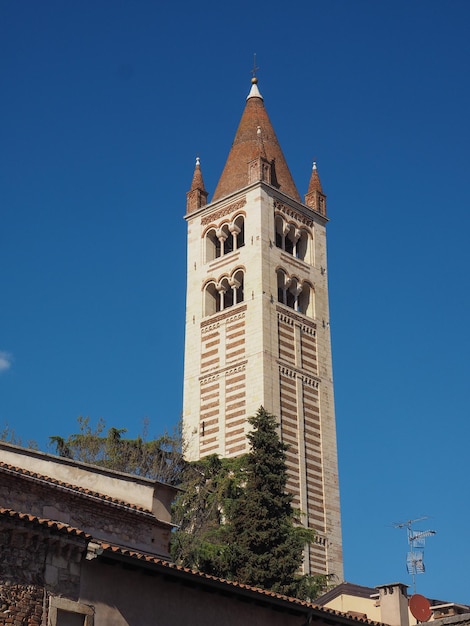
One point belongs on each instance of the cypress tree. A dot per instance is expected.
(266, 548)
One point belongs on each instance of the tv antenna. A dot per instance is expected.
(416, 541)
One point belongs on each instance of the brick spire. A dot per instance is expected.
(197, 195)
(315, 198)
(315, 184)
(255, 153)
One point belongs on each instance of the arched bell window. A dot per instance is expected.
(212, 245)
(305, 300)
(211, 299)
(238, 229)
(302, 246)
(226, 292)
(292, 239)
(295, 294)
(224, 239)
(237, 286)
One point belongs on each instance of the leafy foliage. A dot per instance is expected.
(236, 518)
(8, 435)
(210, 486)
(234, 515)
(159, 459)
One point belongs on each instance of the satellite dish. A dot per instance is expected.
(420, 607)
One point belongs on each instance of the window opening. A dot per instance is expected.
(291, 239)
(226, 239)
(302, 246)
(211, 299)
(227, 293)
(304, 299)
(282, 285)
(64, 612)
(279, 235)
(239, 233)
(212, 245)
(237, 285)
(295, 295)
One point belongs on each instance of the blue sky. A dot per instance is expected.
(105, 106)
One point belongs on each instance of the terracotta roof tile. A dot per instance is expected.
(80, 490)
(119, 551)
(197, 195)
(315, 183)
(112, 549)
(47, 523)
(246, 147)
(198, 181)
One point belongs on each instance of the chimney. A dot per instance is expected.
(394, 604)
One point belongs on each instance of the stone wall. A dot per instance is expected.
(38, 558)
(21, 604)
(98, 516)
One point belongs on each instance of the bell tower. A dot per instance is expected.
(257, 323)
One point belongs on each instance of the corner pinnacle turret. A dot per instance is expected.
(315, 198)
(255, 153)
(197, 195)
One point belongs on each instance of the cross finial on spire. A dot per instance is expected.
(255, 69)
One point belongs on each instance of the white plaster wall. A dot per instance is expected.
(131, 489)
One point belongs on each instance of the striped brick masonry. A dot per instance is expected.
(257, 323)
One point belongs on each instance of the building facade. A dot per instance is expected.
(257, 323)
(390, 604)
(82, 545)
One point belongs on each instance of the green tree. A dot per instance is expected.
(159, 459)
(234, 515)
(236, 518)
(266, 544)
(209, 488)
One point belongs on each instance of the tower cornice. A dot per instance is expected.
(230, 201)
